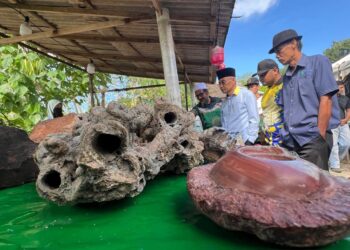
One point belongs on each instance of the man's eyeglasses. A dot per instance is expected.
(222, 82)
(200, 94)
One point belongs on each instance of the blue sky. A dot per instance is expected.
(320, 22)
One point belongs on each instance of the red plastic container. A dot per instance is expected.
(217, 56)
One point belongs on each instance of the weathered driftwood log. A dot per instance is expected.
(216, 143)
(16, 157)
(112, 152)
(276, 196)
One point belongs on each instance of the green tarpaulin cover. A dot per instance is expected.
(161, 217)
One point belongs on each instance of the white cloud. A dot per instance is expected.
(246, 8)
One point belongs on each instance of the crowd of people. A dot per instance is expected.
(304, 110)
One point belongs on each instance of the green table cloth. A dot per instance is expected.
(162, 217)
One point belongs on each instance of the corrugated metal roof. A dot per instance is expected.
(76, 32)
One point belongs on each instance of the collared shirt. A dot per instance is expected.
(272, 112)
(344, 105)
(239, 115)
(258, 103)
(209, 114)
(301, 93)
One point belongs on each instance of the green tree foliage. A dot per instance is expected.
(147, 95)
(28, 81)
(242, 80)
(132, 98)
(338, 50)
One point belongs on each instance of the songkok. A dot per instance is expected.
(226, 72)
(200, 85)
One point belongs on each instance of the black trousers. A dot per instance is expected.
(317, 150)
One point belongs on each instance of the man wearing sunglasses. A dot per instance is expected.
(239, 111)
(272, 114)
(308, 98)
(209, 108)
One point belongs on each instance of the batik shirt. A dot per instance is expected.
(272, 114)
(210, 114)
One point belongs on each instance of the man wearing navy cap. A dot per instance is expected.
(270, 76)
(239, 112)
(308, 98)
(209, 108)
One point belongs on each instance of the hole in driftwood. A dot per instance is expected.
(170, 117)
(185, 143)
(52, 179)
(107, 144)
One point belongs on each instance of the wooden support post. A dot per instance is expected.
(103, 97)
(186, 101)
(91, 90)
(193, 96)
(96, 99)
(168, 57)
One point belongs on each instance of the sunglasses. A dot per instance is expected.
(262, 75)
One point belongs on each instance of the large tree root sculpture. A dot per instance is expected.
(112, 152)
(276, 196)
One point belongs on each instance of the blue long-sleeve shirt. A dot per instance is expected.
(239, 115)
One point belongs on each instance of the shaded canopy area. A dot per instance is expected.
(121, 36)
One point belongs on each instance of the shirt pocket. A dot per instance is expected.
(240, 105)
(307, 86)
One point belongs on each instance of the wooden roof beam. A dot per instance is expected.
(178, 41)
(130, 58)
(119, 12)
(145, 73)
(45, 53)
(70, 10)
(66, 31)
(213, 36)
(53, 26)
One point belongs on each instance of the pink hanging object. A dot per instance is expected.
(221, 66)
(217, 56)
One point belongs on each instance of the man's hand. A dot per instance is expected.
(343, 122)
(248, 143)
(324, 114)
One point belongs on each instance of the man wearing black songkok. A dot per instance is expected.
(239, 111)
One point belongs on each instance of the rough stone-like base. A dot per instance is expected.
(279, 198)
